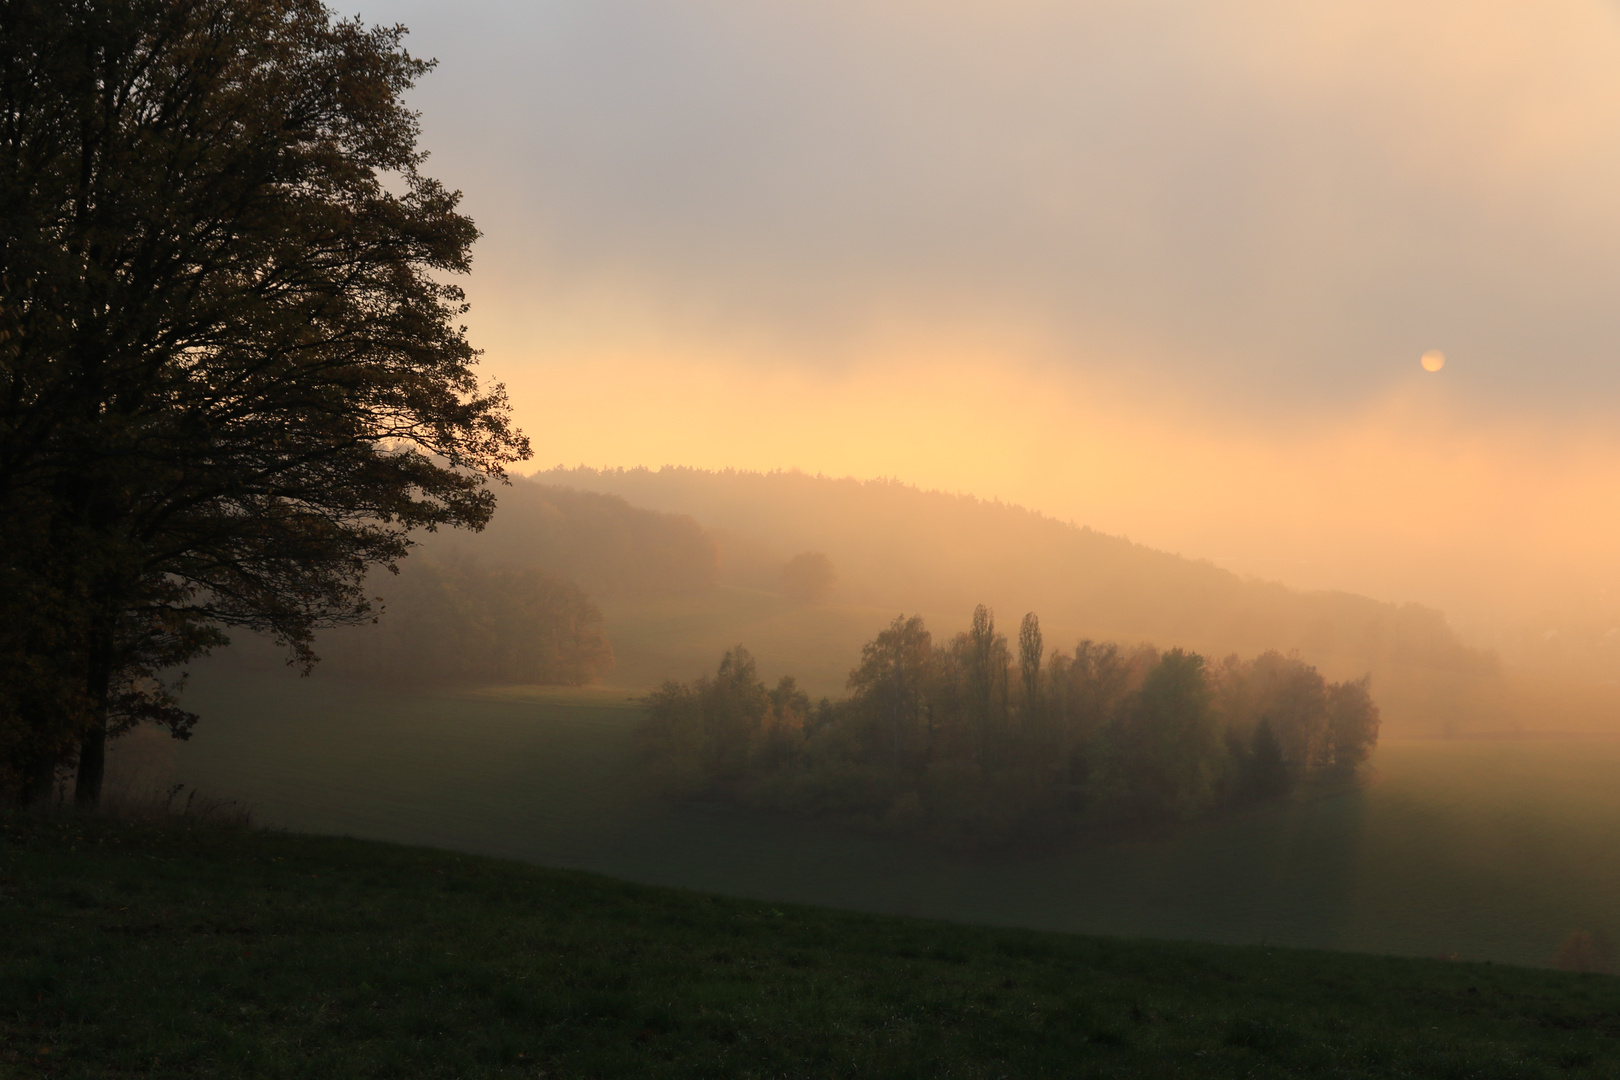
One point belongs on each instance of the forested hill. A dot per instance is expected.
(516, 603)
(597, 541)
(898, 547)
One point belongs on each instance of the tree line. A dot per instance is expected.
(458, 621)
(600, 542)
(981, 741)
(874, 531)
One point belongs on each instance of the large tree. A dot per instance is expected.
(232, 375)
(892, 682)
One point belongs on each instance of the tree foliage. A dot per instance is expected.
(961, 739)
(714, 730)
(232, 376)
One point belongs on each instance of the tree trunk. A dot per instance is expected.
(39, 781)
(93, 747)
(92, 766)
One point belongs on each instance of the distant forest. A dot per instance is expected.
(898, 547)
(599, 542)
(461, 622)
(513, 604)
(659, 574)
(977, 743)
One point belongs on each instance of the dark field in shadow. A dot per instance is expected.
(1482, 849)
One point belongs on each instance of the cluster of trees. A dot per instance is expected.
(233, 376)
(977, 741)
(458, 621)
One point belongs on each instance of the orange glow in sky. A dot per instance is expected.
(1405, 500)
(1158, 266)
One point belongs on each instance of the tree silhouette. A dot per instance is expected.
(984, 661)
(922, 741)
(808, 577)
(232, 376)
(1266, 773)
(1352, 724)
(1030, 651)
(891, 680)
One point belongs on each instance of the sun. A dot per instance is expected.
(1433, 360)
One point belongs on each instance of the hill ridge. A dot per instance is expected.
(899, 545)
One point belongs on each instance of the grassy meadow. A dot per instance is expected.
(1482, 849)
(183, 950)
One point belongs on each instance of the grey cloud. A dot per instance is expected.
(1269, 204)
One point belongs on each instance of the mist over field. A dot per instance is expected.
(910, 538)
(1164, 269)
(1024, 431)
(501, 703)
(679, 565)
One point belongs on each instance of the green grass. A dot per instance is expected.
(184, 950)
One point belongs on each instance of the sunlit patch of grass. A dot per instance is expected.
(182, 948)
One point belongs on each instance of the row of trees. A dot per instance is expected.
(459, 621)
(981, 742)
(232, 372)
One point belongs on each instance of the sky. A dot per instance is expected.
(1162, 267)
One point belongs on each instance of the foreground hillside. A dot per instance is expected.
(191, 951)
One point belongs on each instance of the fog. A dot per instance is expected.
(1503, 524)
(1165, 269)
(1113, 312)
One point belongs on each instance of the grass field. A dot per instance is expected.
(1482, 849)
(185, 951)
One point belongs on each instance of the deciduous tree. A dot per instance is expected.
(1352, 724)
(232, 374)
(808, 577)
(1030, 652)
(891, 682)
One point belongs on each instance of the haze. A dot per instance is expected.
(1162, 268)
(957, 537)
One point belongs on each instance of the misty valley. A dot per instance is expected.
(678, 693)
(1100, 562)
(1474, 848)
